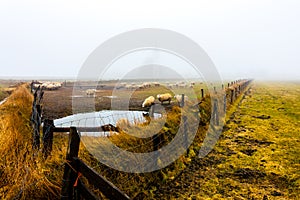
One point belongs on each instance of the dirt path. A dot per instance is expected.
(257, 156)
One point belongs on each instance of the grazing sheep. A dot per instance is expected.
(178, 97)
(146, 85)
(164, 97)
(48, 85)
(182, 85)
(148, 102)
(90, 92)
(127, 87)
(156, 84)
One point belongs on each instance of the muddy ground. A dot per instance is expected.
(58, 103)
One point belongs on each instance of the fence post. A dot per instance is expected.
(151, 110)
(156, 141)
(47, 137)
(182, 101)
(231, 96)
(215, 112)
(185, 133)
(36, 126)
(31, 86)
(202, 93)
(225, 103)
(70, 176)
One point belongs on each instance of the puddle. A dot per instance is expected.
(104, 117)
(111, 97)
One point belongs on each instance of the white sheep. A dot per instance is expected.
(164, 97)
(90, 92)
(178, 97)
(148, 102)
(146, 85)
(156, 84)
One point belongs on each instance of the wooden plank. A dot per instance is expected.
(202, 93)
(47, 137)
(70, 176)
(85, 192)
(61, 129)
(99, 182)
(107, 127)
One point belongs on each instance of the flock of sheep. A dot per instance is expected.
(47, 85)
(149, 101)
(144, 85)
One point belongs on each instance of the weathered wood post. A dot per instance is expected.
(31, 86)
(36, 126)
(202, 93)
(151, 110)
(216, 112)
(185, 133)
(47, 137)
(156, 139)
(225, 103)
(182, 101)
(231, 96)
(70, 176)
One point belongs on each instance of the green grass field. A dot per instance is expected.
(257, 157)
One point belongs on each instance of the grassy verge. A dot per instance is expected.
(23, 173)
(258, 154)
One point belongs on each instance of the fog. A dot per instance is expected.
(258, 38)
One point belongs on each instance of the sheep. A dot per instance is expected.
(156, 84)
(146, 85)
(127, 87)
(90, 92)
(49, 85)
(178, 97)
(36, 85)
(148, 101)
(164, 97)
(182, 85)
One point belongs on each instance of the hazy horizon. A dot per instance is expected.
(244, 39)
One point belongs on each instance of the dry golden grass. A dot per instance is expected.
(22, 170)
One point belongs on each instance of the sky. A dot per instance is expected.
(258, 39)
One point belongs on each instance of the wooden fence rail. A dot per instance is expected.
(73, 187)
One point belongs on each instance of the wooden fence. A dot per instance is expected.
(73, 186)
